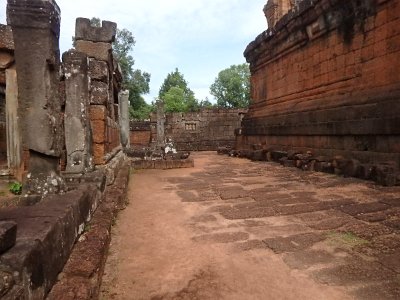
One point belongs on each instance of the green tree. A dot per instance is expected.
(232, 87)
(176, 80)
(134, 80)
(96, 22)
(174, 100)
(206, 103)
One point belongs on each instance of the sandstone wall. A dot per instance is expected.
(205, 130)
(326, 78)
(140, 133)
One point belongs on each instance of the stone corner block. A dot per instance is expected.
(8, 235)
(85, 31)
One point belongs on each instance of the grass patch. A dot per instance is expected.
(346, 239)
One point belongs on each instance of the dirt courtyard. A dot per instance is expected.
(235, 229)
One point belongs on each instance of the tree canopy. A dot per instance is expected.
(176, 94)
(231, 88)
(134, 80)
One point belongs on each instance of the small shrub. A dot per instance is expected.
(15, 188)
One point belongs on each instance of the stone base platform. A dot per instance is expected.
(163, 164)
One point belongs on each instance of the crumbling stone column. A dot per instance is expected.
(96, 42)
(78, 137)
(36, 27)
(14, 151)
(160, 125)
(124, 118)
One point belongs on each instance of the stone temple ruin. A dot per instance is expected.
(326, 88)
(204, 130)
(64, 126)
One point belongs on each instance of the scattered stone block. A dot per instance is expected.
(8, 235)
(288, 162)
(259, 155)
(223, 150)
(386, 175)
(351, 168)
(292, 154)
(277, 155)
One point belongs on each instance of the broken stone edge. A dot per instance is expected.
(82, 274)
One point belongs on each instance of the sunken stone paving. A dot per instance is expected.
(339, 231)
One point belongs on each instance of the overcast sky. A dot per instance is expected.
(199, 37)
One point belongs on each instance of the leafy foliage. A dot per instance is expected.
(232, 87)
(15, 188)
(206, 104)
(176, 94)
(174, 100)
(134, 80)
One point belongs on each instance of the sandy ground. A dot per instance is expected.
(234, 229)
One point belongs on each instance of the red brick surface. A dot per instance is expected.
(141, 138)
(321, 92)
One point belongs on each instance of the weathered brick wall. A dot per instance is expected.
(105, 80)
(140, 133)
(320, 84)
(203, 131)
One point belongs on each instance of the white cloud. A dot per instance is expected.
(200, 37)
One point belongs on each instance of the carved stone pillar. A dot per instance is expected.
(78, 137)
(160, 125)
(124, 118)
(36, 27)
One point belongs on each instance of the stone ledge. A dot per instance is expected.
(46, 234)
(309, 20)
(163, 164)
(383, 173)
(81, 277)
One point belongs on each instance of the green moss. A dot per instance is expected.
(346, 239)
